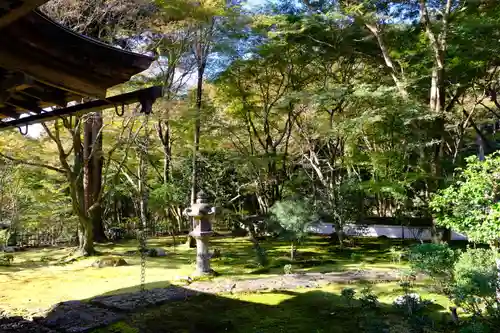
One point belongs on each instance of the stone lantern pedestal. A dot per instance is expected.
(202, 212)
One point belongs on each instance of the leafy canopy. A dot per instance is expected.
(471, 205)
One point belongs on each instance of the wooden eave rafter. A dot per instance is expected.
(44, 65)
(146, 97)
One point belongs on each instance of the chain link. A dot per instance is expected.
(144, 200)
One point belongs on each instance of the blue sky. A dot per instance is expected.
(254, 3)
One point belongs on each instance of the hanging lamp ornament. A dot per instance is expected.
(25, 132)
(120, 114)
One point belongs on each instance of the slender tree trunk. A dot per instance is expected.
(86, 237)
(196, 139)
(437, 99)
(340, 235)
(92, 171)
(97, 165)
(75, 178)
(196, 146)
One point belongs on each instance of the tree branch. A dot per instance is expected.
(41, 165)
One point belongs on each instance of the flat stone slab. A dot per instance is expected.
(292, 281)
(77, 317)
(20, 325)
(134, 301)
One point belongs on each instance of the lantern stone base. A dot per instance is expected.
(202, 255)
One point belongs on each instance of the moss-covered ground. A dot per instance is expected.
(34, 281)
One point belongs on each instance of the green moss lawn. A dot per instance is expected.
(34, 281)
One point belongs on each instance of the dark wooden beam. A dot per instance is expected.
(11, 10)
(9, 112)
(15, 81)
(59, 57)
(145, 96)
(24, 105)
(55, 97)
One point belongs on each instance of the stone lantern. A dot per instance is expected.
(202, 213)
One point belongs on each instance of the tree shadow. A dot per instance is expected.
(170, 308)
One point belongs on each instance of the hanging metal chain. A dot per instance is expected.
(143, 191)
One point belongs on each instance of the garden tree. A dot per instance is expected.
(404, 33)
(209, 34)
(262, 98)
(292, 217)
(13, 200)
(185, 34)
(92, 171)
(66, 136)
(470, 205)
(38, 196)
(115, 22)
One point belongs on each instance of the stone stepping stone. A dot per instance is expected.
(78, 317)
(20, 325)
(138, 300)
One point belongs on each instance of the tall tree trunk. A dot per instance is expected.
(196, 144)
(437, 98)
(163, 132)
(76, 180)
(85, 237)
(93, 164)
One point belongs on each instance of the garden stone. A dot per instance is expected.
(19, 324)
(77, 316)
(157, 252)
(109, 262)
(9, 249)
(138, 300)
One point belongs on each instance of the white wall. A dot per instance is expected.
(377, 230)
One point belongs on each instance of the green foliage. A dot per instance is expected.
(475, 280)
(471, 204)
(348, 294)
(475, 327)
(396, 254)
(368, 299)
(261, 256)
(435, 260)
(288, 269)
(356, 257)
(4, 237)
(6, 259)
(292, 218)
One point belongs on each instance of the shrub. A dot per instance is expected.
(348, 295)
(356, 257)
(396, 254)
(4, 236)
(475, 327)
(6, 259)
(410, 303)
(368, 299)
(292, 218)
(475, 280)
(152, 253)
(288, 269)
(261, 256)
(435, 260)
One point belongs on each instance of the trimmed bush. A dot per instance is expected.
(435, 260)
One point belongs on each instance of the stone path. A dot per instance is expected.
(78, 316)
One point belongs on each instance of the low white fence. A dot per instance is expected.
(377, 230)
